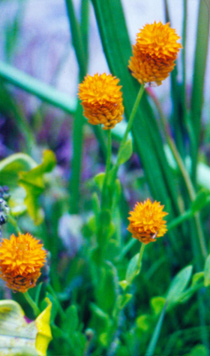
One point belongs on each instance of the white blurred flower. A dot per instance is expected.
(69, 230)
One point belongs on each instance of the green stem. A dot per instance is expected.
(106, 203)
(179, 220)
(32, 304)
(127, 248)
(108, 164)
(141, 252)
(156, 333)
(76, 163)
(130, 121)
(128, 128)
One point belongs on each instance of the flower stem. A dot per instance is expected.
(153, 342)
(128, 128)
(141, 252)
(108, 164)
(32, 303)
(130, 121)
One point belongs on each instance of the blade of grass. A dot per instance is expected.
(199, 77)
(80, 46)
(178, 110)
(76, 38)
(36, 87)
(85, 25)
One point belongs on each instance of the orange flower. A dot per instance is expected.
(154, 53)
(21, 259)
(146, 221)
(102, 100)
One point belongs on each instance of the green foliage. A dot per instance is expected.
(33, 183)
(126, 152)
(107, 297)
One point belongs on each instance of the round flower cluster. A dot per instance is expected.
(146, 221)
(101, 99)
(21, 259)
(154, 53)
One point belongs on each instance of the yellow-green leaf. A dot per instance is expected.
(21, 337)
(33, 183)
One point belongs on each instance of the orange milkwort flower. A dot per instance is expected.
(102, 101)
(154, 53)
(21, 259)
(146, 221)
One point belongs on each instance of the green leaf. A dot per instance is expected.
(132, 269)
(199, 350)
(201, 200)
(19, 337)
(207, 272)
(197, 277)
(157, 304)
(33, 183)
(99, 180)
(144, 322)
(100, 321)
(123, 300)
(71, 322)
(79, 342)
(107, 289)
(126, 152)
(11, 166)
(124, 284)
(179, 283)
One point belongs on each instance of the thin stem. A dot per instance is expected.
(179, 220)
(128, 128)
(32, 303)
(156, 333)
(76, 163)
(130, 121)
(127, 247)
(108, 164)
(141, 252)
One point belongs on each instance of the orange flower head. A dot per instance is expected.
(154, 53)
(21, 259)
(146, 221)
(102, 101)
